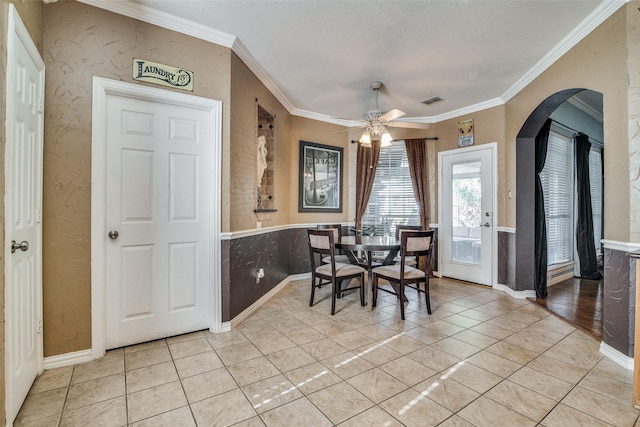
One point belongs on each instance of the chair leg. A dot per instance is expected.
(401, 297)
(426, 295)
(362, 290)
(375, 290)
(313, 289)
(334, 292)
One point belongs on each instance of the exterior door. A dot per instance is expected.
(468, 233)
(158, 219)
(23, 212)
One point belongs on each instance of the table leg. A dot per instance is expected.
(369, 281)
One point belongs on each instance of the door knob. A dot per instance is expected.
(486, 224)
(113, 234)
(23, 246)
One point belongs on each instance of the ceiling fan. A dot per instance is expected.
(376, 122)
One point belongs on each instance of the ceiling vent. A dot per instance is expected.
(431, 100)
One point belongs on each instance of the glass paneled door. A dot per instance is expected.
(467, 235)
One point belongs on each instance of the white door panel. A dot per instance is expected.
(23, 251)
(158, 269)
(468, 209)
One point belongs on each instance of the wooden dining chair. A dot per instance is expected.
(322, 245)
(400, 228)
(417, 244)
(340, 257)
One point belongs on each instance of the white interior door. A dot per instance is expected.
(158, 219)
(23, 212)
(467, 210)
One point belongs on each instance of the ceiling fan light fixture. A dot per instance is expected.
(365, 139)
(386, 139)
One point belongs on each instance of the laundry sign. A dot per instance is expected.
(162, 74)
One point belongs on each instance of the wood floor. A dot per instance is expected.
(579, 301)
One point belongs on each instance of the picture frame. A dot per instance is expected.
(320, 178)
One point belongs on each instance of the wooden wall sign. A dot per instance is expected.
(164, 75)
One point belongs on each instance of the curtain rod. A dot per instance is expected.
(576, 131)
(431, 138)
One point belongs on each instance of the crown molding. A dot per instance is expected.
(595, 18)
(495, 102)
(587, 109)
(324, 118)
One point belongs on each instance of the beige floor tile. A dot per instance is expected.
(238, 353)
(565, 416)
(473, 377)
(251, 422)
(223, 410)
(399, 325)
(253, 370)
(373, 417)
(300, 412)
(273, 343)
(272, 392)
(541, 334)
(456, 348)
(312, 378)
(577, 358)
(609, 368)
(486, 412)
(305, 335)
(151, 376)
(377, 332)
(415, 409)
(447, 392)
(42, 405)
(444, 328)
(481, 316)
(225, 339)
(463, 321)
(492, 331)
(50, 421)
(505, 323)
(293, 358)
(185, 337)
(208, 384)
(559, 369)
(197, 364)
(512, 352)
(331, 328)
(607, 386)
(147, 357)
(554, 324)
(178, 417)
(455, 421)
(520, 399)
(377, 385)
(604, 408)
(323, 348)
(52, 379)
(154, 401)
(145, 346)
(111, 412)
(340, 402)
(377, 354)
(112, 363)
(352, 340)
(547, 385)
(408, 370)
(190, 347)
(434, 358)
(424, 335)
(255, 327)
(94, 391)
(493, 363)
(528, 342)
(475, 339)
(347, 365)
(404, 344)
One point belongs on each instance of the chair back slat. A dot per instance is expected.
(401, 228)
(416, 243)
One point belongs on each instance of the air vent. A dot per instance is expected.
(431, 100)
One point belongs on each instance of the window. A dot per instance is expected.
(392, 201)
(558, 189)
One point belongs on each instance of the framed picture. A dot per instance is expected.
(320, 181)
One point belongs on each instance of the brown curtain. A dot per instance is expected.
(417, 157)
(366, 165)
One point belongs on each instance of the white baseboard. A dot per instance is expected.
(613, 354)
(266, 297)
(68, 359)
(529, 293)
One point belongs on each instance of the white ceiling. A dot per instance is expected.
(318, 57)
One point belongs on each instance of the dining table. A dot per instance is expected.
(359, 250)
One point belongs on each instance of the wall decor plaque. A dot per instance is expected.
(161, 74)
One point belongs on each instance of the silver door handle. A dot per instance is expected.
(113, 235)
(23, 246)
(486, 224)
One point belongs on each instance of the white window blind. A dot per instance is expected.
(558, 189)
(392, 201)
(595, 180)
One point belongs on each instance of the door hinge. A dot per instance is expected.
(38, 216)
(40, 326)
(41, 105)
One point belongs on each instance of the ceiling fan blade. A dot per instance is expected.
(409, 125)
(390, 115)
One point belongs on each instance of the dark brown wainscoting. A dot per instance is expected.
(579, 301)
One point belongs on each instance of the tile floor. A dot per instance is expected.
(481, 359)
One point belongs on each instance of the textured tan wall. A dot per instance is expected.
(598, 62)
(82, 41)
(31, 14)
(241, 177)
(489, 127)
